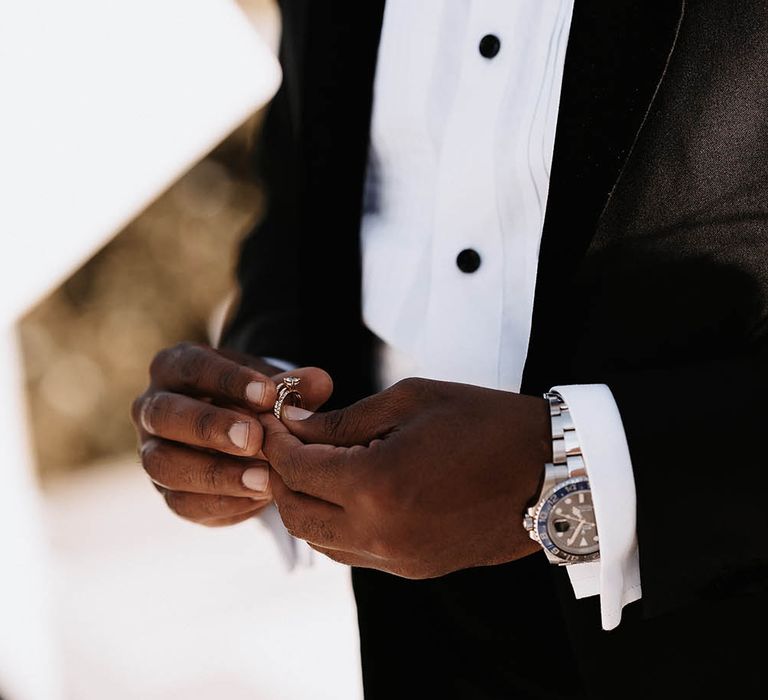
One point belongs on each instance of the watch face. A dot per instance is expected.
(566, 521)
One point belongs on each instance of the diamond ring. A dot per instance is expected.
(287, 391)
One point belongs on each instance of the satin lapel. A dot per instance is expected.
(616, 57)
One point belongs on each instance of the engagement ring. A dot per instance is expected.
(286, 390)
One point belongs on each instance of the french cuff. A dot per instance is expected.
(616, 576)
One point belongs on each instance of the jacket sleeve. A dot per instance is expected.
(695, 435)
(678, 322)
(263, 319)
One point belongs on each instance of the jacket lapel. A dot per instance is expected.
(616, 58)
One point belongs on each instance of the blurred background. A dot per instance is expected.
(87, 346)
(145, 605)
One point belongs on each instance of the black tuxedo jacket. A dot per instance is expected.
(653, 278)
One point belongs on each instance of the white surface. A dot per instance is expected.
(152, 607)
(461, 152)
(29, 664)
(606, 456)
(104, 104)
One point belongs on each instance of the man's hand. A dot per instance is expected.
(199, 438)
(420, 480)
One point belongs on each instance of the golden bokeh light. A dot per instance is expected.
(88, 345)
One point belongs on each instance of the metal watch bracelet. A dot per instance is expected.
(565, 480)
(567, 459)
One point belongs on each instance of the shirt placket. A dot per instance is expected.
(464, 312)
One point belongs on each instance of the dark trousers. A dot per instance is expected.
(484, 633)
(499, 632)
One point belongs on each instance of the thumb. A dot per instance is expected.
(358, 424)
(315, 387)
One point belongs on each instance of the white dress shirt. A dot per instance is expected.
(465, 107)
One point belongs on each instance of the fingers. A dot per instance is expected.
(179, 468)
(358, 424)
(322, 471)
(310, 519)
(209, 489)
(212, 510)
(193, 422)
(199, 370)
(315, 385)
(224, 376)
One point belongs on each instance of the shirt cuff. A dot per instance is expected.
(616, 577)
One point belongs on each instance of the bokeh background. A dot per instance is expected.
(146, 605)
(166, 277)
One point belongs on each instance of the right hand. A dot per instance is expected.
(199, 439)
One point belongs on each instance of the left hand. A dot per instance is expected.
(422, 479)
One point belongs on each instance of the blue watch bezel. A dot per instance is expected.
(553, 496)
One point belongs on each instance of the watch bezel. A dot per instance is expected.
(548, 500)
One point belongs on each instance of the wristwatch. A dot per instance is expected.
(562, 520)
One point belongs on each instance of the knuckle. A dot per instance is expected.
(334, 423)
(182, 360)
(212, 476)
(154, 460)
(162, 360)
(203, 425)
(184, 476)
(228, 381)
(412, 387)
(190, 362)
(341, 426)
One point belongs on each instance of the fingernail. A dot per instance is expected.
(296, 413)
(254, 392)
(256, 478)
(238, 434)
